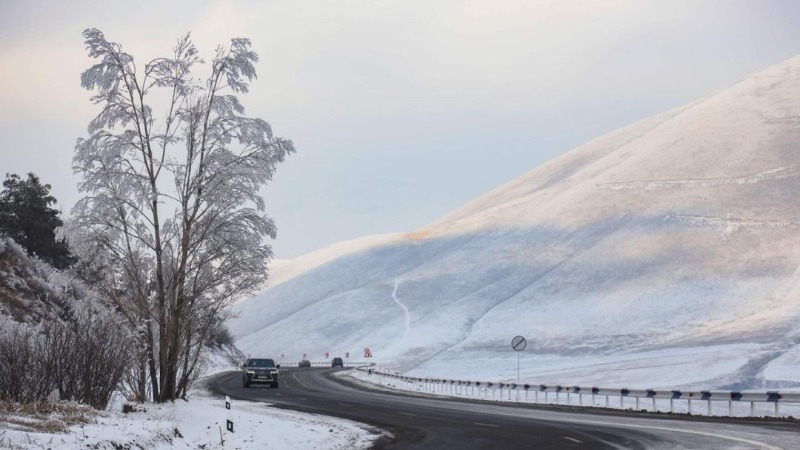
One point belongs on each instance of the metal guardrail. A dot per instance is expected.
(324, 363)
(463, 388)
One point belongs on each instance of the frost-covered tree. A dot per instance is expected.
(172, 215)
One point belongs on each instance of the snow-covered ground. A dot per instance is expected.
(199, 423)
(663, 254)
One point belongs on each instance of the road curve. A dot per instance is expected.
(424, 422)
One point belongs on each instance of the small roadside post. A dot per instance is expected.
(228, 421)
(518, 344)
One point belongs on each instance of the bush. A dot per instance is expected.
(83, 358)
(23, 367)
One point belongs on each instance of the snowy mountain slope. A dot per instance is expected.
(668, 243)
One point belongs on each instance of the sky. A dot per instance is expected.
(401, 111)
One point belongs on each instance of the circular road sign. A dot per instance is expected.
(519, 343)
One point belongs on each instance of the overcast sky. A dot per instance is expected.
(401, 111)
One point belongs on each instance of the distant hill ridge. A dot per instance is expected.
(664, 253)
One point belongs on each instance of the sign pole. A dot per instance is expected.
(518, 344)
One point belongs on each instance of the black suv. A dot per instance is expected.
(260, 370)
(337, 362)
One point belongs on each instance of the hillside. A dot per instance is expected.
(31, 290)
(663, 254)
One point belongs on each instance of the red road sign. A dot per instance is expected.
(367, 353)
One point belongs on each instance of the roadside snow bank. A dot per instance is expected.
(198, 423)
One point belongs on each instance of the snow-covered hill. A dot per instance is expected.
(665, 253)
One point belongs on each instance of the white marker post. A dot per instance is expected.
(228, 420)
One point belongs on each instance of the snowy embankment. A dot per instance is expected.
(199, 422)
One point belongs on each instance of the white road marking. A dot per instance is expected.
(405, 310)
(408, 414)
(294, 375)
(486, 424)
(763, 445)
(345, 404)
(572, 439)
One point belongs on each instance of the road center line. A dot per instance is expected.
(408, 414)
(571, 439)
(345, 404)
(486, 424)
(294, 375)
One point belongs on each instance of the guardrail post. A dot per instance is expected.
(637, 402)
(709, 407)
(606, 400)
(752, 409)
(690, 405)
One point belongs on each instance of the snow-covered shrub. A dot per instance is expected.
(56, 333)
(96, 345)
(83, 358)
(24, 376)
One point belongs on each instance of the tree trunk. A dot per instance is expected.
(152, 362)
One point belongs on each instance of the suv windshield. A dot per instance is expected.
(260, 363)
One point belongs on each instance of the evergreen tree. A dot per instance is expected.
(27, 217)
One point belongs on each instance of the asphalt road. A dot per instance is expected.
(425, 422)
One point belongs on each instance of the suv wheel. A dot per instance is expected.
(275, 385)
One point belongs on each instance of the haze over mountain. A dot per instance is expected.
(661, 254)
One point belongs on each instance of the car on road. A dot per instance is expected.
(260, 370)
(337, 362)
(304, 363)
